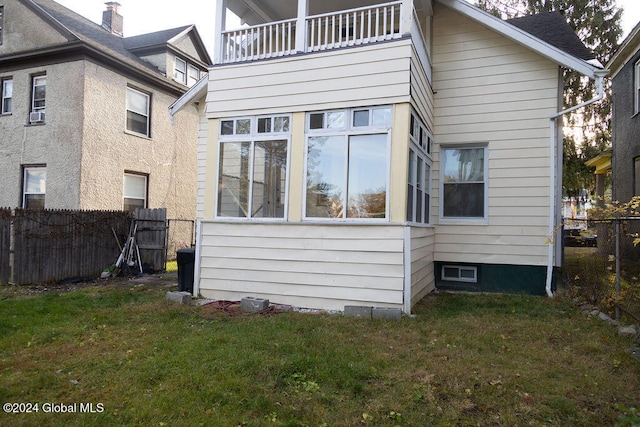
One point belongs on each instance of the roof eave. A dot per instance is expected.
(524, 38)
(197, 91)
(626, 50)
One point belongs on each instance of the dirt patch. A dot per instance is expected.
(232, 309)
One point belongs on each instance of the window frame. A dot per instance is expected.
(180, 73)
(34, 86)
(192, 79)
(147, 114)
(25, 193)
(420, 166)
(459, 278)
(252, 137)
(347, 129)
(483, 220)
(4, 97)
(636, 88)
(146, 189)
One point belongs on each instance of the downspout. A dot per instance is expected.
(599, 80)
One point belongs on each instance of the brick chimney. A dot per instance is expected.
(111, 20)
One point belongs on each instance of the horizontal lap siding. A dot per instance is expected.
(371, 75)
(421, 91)
(318, 266)
(422, 274)
(202, 163)
(492, 90)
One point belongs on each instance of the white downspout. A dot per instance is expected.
(599, 80)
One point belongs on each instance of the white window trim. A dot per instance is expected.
(3, 82)
(146, 188)
(425, 153)
(347, 131)
(147, 115)
(24, 183)
(252, 137)
(33, 93)
(464, 220)
(460, 279)
(177, 72)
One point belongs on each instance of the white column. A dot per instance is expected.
(301, 27)
(219, 27)
(407, 16)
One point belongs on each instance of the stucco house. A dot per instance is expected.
(364, 152)
(84, 122)
(625, 158)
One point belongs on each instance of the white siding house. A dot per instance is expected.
(366, 152)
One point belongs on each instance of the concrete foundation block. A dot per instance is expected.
(386, 313)
(357, 311)
(179, 297)
(253, 304)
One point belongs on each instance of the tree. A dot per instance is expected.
(597, 23)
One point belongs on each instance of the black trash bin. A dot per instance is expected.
(186, 259)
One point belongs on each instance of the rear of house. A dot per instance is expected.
(386, 150)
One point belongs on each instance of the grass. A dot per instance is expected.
(463, 360)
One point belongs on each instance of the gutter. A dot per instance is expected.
(599, 76)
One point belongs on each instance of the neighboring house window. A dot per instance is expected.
(180, 72)
(7, 96)
(135, 191)
(38, 98)
(252, 175)
(636, 73)
(34, 187)
(347, 163)
(1, 23)
(419, 176)
(138, 111)
(194, 76)
(464, 184)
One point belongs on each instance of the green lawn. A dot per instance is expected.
(463, 360)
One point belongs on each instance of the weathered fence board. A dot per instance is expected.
(151, 237)
(5, 246)
(54, 245)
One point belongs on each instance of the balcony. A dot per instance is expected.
(325, 31)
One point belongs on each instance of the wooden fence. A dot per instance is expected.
(41, 246)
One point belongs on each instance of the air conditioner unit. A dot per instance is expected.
(36, 116)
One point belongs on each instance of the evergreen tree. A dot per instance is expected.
(597, 23)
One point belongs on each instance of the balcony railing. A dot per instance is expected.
(322, 32)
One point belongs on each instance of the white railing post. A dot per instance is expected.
(406, 15)
(219, 27)
(301, 26)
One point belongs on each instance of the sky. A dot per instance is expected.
(146, 16)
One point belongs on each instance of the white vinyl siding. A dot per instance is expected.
(317, 266)
(371, 75)
(490, 89)
(421, 273)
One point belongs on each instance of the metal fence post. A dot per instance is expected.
(617, 268)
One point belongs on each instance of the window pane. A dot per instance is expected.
(233, 180)
(361, 118)
(135, 186)
(131, 205)
(34, 201)
(136, 123)
(464, 165)
(335, 120)
(382, 117)
(35, 180)
(269, 179)
(316, 121)
(326, 161)
(367, 176)
(264, 125)
(243, 127)
(281, 124)
(227, 127)
(137, 102)
(464, 200)
(7, 90)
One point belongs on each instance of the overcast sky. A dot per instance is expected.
(145, 16)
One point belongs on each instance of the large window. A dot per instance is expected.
(419, 176)
(34, 186)
(464, 184)
(135, 190)
(252, 173)
(138, 112)
(6, 90)
(347, 163)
